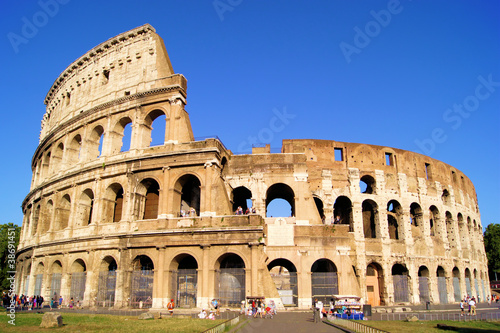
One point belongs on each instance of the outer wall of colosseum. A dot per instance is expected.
(112, 220)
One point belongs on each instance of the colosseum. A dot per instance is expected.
(113, 220)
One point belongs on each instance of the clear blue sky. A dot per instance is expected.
(379, 72)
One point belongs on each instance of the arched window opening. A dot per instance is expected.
(107, 282)
(95, 142)
(85, 208)
(367, 185)
(467, 282)
(141, 295)
(157, 122)
(400, 283)
(445, 197)
(151, 199)
(450, 230)
(457, 294)
(242, 200)
(370, 218)
(423, 284)
(119, 139)
(112, 206)
(319, 207)
(188, 195)
(433, 219)
(416, 220)
(62, 213)
(36, 219)
(78, 277)
(184, 276)
(342, 212)
(40, 269)
(394, 213)
(284, 275)
(55, 280)
(280, 208)
(230, 280)
(57, 158)
(46, 165)
(47, 217)
(324, 280)
(375, 284)
(73, 151)
(442, 289)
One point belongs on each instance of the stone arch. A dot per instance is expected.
(370, 218)
(120, 138)
(375, 284)
(106, 285)
(242, 196)
(434, 219)
(141, 282)
(94, 142)
(156, 118)
(395, 219)
(39, 270)
(46, 165)
(284, 275)
(36, 218)
(320, 208)
(416, 220)
(468, 281)
(85, 208)
(230, 279)
(442, 285)
(445, 197)
(367, 185)
(63, 213)
(324, 280)
(187, 195)
(450, 230)
(281, 191)
(184, 279)
(55, 279)
(400, 280)
(113, 203)
(73, 151)
(457, 294)
(148, 199)
(342, 212)
(57, 158)
(46, 216)
(423, 284)
(78, 280)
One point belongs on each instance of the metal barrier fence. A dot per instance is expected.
(355, 326)
(222, 327)
(440, 316)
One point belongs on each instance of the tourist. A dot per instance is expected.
(171, 306)
(51, 304)
(462, 307)
(202, 314)
(60, 302)
(472, 304)
(215, 305)
(71, 303)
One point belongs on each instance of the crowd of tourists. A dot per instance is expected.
(239, 211)
(23, 302)
(258, 308)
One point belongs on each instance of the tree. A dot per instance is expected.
(9, 239)
(492, 247)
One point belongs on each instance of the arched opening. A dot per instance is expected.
(445, 197)
(57, 158)
(141, 287)
(394, 219)
(476, 285)
(324, 280)
(148, 193)
(342, 212)
(85, 208)
(36, 219)
(94, 143)
(230, 279)
(26, 224)
(280, 201)
(242, 200)
(423, 284)
(157, 122)
(46, 165)
(467, 282)
(78, 277)
(73, 150)
(38, 279)
(442, 290)
(284, 275)
(55, 280)
(187, 196)
(450, 231)
(62, 213)
(112, 205)
(106, 285)
(370, 218)
(184, 270)
(375, 284)
(367, 185)
(457, 293)
(416, 220)
(121, 136)
(400, 283)
(433, 219)
(319, 207)
(47, 217)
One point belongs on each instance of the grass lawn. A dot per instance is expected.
(74, 322)
(431, 326)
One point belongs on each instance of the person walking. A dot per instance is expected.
(462, 307)
(472, 304)
(171, 306)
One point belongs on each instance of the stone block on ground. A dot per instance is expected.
(51, 319)
(146, 315)
(412, 318)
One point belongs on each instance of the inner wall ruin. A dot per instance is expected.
(114, 220)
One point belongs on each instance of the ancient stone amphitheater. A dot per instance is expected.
(113, 220)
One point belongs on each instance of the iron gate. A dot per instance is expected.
(27, 284)
(456, 289)
(78, 281)
(400, 283)
(467, 285)
(324, 285)
(186, 287)
(477, 290)
(106, 289)
(484, 292)
(230, 283)
(38, 284)
(55, 286)
(423, 289)
(141, 295)
(286, 284)
(443, 293)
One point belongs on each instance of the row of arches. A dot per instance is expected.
(87, 144)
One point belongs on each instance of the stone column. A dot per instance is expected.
(205, 293)
(159, 292)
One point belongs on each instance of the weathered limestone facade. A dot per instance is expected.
(133, 225)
